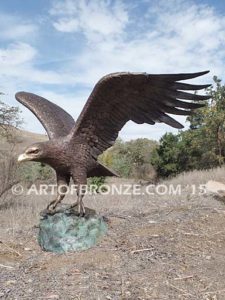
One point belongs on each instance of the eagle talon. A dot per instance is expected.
(52, 206)
(81, 214)
(80, 209)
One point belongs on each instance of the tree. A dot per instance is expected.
(165, 156)
(9, 116)
(202, 146)
(210, 125)
(130, 159)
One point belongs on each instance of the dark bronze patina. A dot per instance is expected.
(73, 148)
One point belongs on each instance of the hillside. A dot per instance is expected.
(22, 139)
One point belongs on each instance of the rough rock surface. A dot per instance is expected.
(64, 231)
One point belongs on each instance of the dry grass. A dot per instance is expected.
(157, 247)
(199, 177)
(24, 213)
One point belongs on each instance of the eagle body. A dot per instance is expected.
(73, 147)
(57, 154)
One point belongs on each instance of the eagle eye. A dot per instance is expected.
(33, 151)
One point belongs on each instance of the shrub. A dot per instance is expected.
(131, 159)
(96, 183)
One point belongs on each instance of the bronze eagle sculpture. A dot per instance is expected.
(73, 147)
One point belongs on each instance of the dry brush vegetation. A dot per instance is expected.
(157, 247)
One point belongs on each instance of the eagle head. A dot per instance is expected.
(35, 152)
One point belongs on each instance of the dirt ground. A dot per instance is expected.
(157, 247)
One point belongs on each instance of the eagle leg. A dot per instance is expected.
(62, 184)
(52, 205)
(79, 203)
(80, 179)
(81, 208)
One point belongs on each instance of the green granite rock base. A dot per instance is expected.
(64, 231)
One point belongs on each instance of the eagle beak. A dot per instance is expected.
(23, 157)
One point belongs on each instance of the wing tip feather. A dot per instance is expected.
(186, 76)
(18, 95)
(22, 96)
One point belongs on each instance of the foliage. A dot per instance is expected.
(202, 146)
(165, 156)
(9, 116)
(32, 171)
(96, 183)
(130, 159)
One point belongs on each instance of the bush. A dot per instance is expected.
(131, 159)
(96, 183)
(32, 171)
(202, 146)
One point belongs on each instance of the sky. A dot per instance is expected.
(59, 49)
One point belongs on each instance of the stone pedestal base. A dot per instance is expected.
(64, 231)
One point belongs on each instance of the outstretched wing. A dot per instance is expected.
(140, 97)
(55, 120)
(101, 170)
